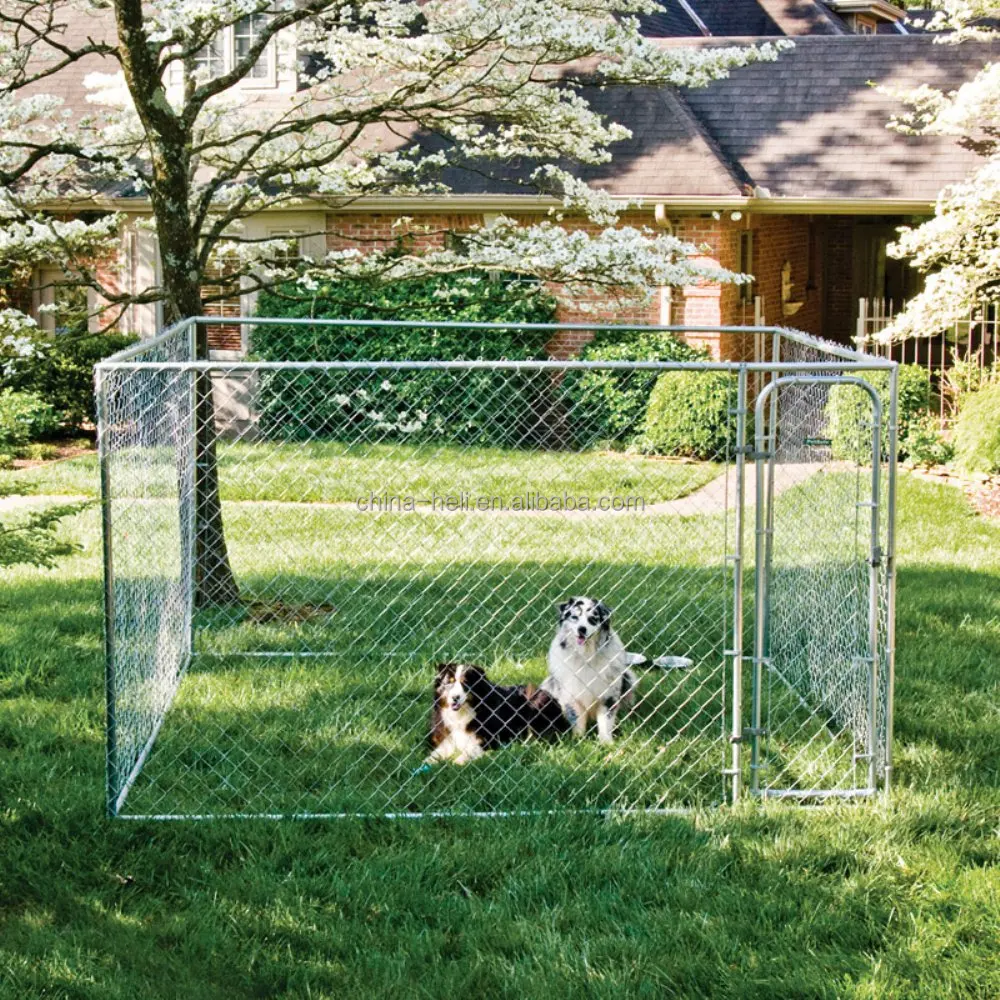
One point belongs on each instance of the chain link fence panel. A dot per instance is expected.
(382, 517)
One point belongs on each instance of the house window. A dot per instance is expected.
(71, 312)
(211, 59)
(231, 44)
(744, 265)
(246, 34)
(289, 254)
(222, 284)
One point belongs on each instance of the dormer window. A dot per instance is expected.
(232, 44)
(865, 16)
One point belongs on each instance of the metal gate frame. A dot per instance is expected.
(774, 372)
(764, 452)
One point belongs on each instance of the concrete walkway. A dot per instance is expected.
(714, 497)
(720, 493)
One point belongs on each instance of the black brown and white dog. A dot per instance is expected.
(589, 671)
(472, 714)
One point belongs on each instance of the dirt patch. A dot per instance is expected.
(264, 612)
(985, 498)
(74, 448)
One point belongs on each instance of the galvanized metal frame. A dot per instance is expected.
(765, 457)
(839, 369)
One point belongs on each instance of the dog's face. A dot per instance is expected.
(456, 683)
(581, 618)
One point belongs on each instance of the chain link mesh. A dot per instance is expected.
(824, 679)
(380, 518)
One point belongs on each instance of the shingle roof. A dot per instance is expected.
(803, 17)
(669, 152)
(811, 125)
(735, 18)
(807, 126)
(670, 21)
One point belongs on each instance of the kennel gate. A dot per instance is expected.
(769, 562)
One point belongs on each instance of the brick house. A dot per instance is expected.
(785, 170)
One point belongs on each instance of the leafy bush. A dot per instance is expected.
(966, 374)
(481, 406)
(689, 415)
(24, 417)
(977, 432)
(924, 444)
(39, 451)
(611, 405)
(61, 369)
(849, 410)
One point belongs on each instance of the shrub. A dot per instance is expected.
(61, 369)
(849, 410)
(924, 444)
(24, 416)
(689, 415)
(482, 406)
(40, 451)
(611, 405)
(977, 431)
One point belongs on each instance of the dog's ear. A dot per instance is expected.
(603, 613)
(474, 679)
(563, 608)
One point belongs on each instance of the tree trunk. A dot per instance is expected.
(214, 581)
(172, 169)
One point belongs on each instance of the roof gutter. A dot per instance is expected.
(760, 201)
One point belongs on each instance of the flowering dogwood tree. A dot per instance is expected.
(960, 246)
(391, 96)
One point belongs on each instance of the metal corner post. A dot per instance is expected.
(104, 462)
(189, 524)
(874, 570)
(890, 573)
(762, 535)
(735, 770)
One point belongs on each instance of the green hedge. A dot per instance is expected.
(610, 406)
(848, 410)
(473, 407)
(977, 431)
(60, 369)
(689, 415)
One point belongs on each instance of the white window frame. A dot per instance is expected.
(226, 37)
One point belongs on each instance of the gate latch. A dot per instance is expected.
(750, 452)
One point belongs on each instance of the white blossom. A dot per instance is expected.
(490, 82)
(959, 247)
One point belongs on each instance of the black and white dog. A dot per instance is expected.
(472, 714)
(589, 671)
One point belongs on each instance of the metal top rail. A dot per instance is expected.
(131, 357)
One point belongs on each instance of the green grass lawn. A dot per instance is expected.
(896, 899)
(333, 472)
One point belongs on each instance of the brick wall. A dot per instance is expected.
(839, 303)
(788, 238)
(776, 239)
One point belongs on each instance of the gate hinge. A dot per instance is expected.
(754, 731)
(876, 559)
